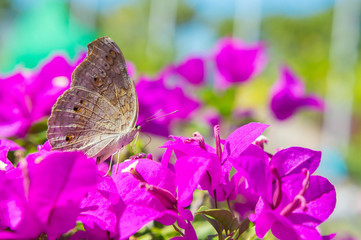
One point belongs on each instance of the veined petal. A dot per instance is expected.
(321, 201)
(102, 207)
(141, 206)
(294, 159)
(240, 139)
(58, 182)
(189, 172)
(253, 165)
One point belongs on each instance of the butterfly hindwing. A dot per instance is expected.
(100, 107)
(105, 72)
(81, 118)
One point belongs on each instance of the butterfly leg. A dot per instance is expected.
(110, 165)
(118, 159)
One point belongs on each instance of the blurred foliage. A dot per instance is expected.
(357, 89)
(184, 13)
(128, 26)
(343, 228)
(222, 101)
(302, 43)
(4, 6)
(36, 33)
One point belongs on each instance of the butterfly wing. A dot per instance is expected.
(100, 107)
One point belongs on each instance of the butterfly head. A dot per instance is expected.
(134, 133)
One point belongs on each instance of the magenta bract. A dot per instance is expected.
(45, 193)
(236, 62)
(288, 96)
(27, 97)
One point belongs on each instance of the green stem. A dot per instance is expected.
(220, 236)
(178, 230)
(229, 206)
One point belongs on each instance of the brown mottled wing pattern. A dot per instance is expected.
(100, 106)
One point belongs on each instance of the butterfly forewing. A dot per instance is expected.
(100, 107)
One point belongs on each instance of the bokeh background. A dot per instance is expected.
(318, 39)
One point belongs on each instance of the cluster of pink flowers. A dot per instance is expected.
(48, 192)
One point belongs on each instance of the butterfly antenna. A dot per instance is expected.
(150, 140)
(147, 119)
(116, 169)
(156, 116)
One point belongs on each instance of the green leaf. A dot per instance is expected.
(215, 224)
(244, 226)
(223, 217)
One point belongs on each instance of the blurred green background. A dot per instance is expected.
(318, 39)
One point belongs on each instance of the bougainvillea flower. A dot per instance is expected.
(192, 70)
(101, 209)
(306, 202)
(288, 96)
(193, 151)
(234, 145)
(253, 177)
(6, 146)
(154, 96)
(14, 110)
(292, 160)
(237, 62)
(217, 178)
(43, 195)
(252, 165)
(27, 97)
(292, 203)
(148, 191)
(10, 145)
(246, 197)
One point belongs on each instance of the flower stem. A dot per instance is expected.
(229, 206)
(178, 230)
(215, 198)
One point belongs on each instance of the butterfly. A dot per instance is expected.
(98, 113)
